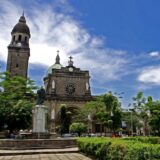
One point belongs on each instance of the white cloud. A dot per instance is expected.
(52, 31)
(104, 64)
(154, 54)
(150, 75)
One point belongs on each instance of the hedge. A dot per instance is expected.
(118, 149)
(152, 140)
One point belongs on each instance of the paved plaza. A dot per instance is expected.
(64, 156)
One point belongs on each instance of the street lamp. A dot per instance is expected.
(89, 123)
(131, 111)
(119, 94)
(112, 115)
(131, 122)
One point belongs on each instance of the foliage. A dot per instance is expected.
(152, 140)
(16, 101)
(139, 101)
(91, 108)
(20, 116)
(110, 101)
(78, 128)
(113, 105)
(147, 112)
(65, 119)
(119, 149)
(131, 120)
(142, 110)
(105, 109)
(154, 118)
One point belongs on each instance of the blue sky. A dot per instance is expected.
(117, 41)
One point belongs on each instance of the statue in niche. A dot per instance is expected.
(41, 96)
(53, 114)
(87, 86)
(53, 84)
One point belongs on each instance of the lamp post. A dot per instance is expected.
(89, 123)
(119, 94)
(131, 123)
(131, 111)
(112, 122)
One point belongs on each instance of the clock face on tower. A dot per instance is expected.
(70, 69)
(70, 88)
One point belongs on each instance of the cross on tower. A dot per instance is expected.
(57, 51)
(70, 58)
(23, 13)
(70, 62)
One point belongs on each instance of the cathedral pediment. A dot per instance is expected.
(67, 83)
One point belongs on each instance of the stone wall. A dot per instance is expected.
(37, 143)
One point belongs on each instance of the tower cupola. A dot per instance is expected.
(20, 33)
(56, 66)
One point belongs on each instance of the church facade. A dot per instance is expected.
(67, 85)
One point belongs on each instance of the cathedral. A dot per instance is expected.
(67, 85)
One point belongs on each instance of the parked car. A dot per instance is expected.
(69, 135)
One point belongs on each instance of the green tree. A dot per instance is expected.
(139, 103)
(154, 117)
(16, 101)
(91, 108)
(21, 115)
(105, 109)
(78, 128)
(132, 121)
(113, 107)
(65, 119)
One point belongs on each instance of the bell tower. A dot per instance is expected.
(18, 49)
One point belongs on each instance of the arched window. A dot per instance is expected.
(19, 38)
(17, 65)
(14, 37)
(25, 39)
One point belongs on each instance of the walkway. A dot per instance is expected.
(64, 156)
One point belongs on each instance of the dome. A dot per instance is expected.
(21, 26)
(54, 66)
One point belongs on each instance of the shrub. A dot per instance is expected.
(119, 149)
(97, 147)
(152, 140)
(78, 128)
